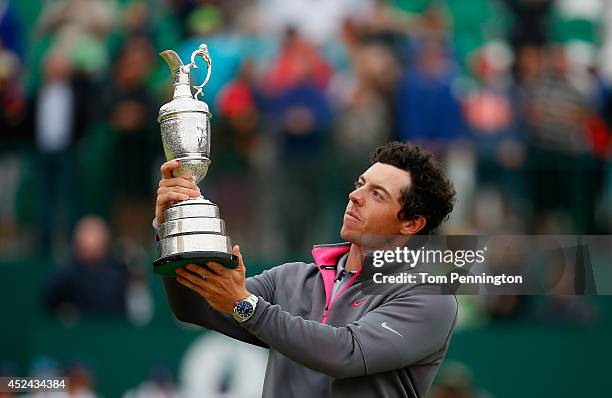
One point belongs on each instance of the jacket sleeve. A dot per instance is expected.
(188, 306)
(394, 335)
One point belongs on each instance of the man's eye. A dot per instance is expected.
(376, 193)
(358, 184)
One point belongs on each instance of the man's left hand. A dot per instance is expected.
(222, 287)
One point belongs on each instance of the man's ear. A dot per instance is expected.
(412, 227)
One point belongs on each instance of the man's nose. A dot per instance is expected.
(356, 196)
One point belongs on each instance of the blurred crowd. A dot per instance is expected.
(514, 96)
(517, 109)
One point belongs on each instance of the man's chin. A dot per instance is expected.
(354, 237)
(349, 236)
(366, 241)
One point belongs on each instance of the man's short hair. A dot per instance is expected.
(431, 195)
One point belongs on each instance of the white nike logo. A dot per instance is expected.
(384, 325)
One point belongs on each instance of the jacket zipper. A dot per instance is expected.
(328, 306)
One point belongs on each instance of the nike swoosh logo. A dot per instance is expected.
(384, 325)
(357, 303)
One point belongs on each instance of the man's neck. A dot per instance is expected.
(356, 254)
(354, 259)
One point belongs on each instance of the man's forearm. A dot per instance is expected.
(333, 351)
(190, 307)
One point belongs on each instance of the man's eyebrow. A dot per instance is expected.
(376, 186)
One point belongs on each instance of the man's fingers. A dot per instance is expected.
(178, 182)
(215, 267)
(236, 251)
(166, 168)
(171, 196)
(187, 191)
(197, 280)
(203, 272)
(190, 285)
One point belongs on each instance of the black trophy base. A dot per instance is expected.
(167, 266)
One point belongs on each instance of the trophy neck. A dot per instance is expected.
(180, 74)
(194, 168)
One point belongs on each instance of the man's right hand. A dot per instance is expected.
(172, 190)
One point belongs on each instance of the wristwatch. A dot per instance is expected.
(245, 308)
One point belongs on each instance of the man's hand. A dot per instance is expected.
(172, 190)
(222, 287)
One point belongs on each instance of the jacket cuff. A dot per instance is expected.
(155, 226)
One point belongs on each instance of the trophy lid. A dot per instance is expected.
(184, 100)
(182, 105)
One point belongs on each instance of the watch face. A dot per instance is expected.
(244, 309)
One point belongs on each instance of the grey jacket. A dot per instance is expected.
(350, 345)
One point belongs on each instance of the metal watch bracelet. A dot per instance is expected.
(252, 299)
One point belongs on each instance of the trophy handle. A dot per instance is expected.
(202, 51)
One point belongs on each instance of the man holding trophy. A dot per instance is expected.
(326, 337)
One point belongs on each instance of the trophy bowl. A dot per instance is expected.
(185, 132)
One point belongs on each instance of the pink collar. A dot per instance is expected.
(326, 257)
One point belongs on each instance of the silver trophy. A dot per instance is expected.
(192, 231)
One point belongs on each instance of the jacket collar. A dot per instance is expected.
(326, 256)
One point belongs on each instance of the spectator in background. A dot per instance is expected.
(236, 135)
(427, 110)
(557, 109)
(500, 149)
(92, 282)
(89, 17)
(364, 114)
(298, 108)
(239, 115)
(559, 153)
(531, 21)
(527, 69)
(10, 29)
(297, 57)
(131, 110)
(81, 27)
(11, 96)
(59, 114)
(134, 22)
(435, 23)
(12, 108)
(383, 24)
